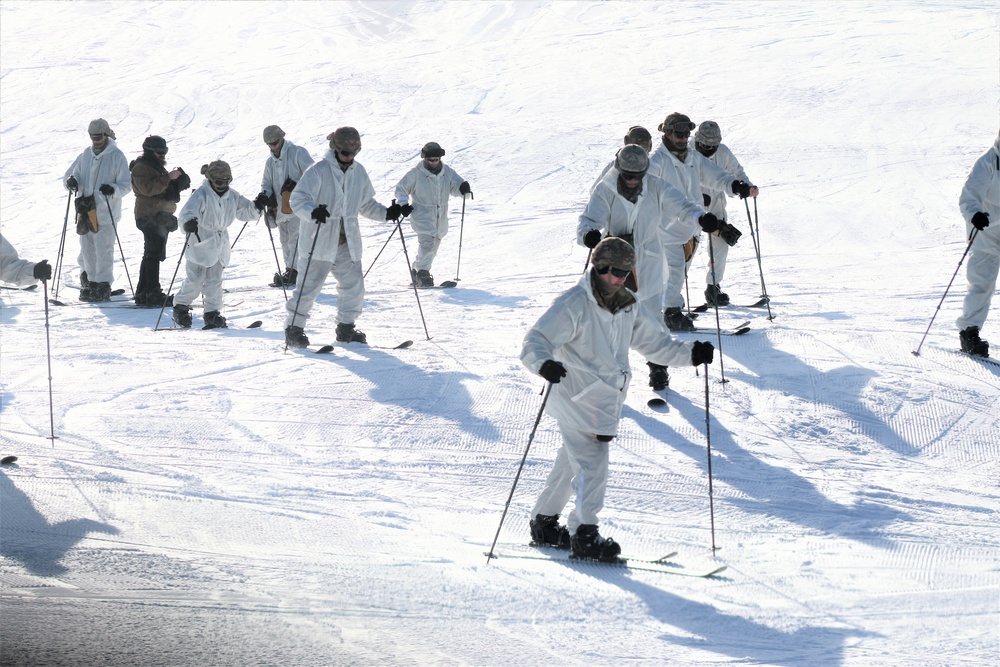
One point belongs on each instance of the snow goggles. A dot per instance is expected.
(617, 273)
(633, 175)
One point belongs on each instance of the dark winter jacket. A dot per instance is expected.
(156, 195)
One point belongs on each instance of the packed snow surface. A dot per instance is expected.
(210, 499)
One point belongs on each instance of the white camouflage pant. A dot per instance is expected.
(581, 467)
(427, 248)
(350, 288)
(288, 232)
(673, 292)
(201, 280)
(97, 254)
(982, 275)
(719, 250)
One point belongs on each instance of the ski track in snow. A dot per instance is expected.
(212, 499)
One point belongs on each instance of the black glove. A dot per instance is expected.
(183, 181)
(106, 190)
(406, 210)
(42, 270)
(72, 184)
(705, 198)
(729, 234)
(741, 188)
(592, 238)
(465, 189)
(394, 211)
(553, 371)
(320, 214)
(288, 185)
(981, 220)
(191, 226)
(709, 223)
(260, 201)
(703, 352)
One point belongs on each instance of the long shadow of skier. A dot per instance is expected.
(30, 539)
(440, 394)
(770, 490)
(840, 388)
(728, 634)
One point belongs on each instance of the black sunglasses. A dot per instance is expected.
(221, 181)
(347, 153)
(95, 137)
(633, 175)
(272, 144)
(617, 273)
(680, 135)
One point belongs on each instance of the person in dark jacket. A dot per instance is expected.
(157, 192)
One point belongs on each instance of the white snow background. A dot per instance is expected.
(213, 500)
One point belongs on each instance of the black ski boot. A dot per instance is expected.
(346, 333)
(157, 299)
(290, 277)
(677, 320)
(96, 293)
(295, 337)
(659, 379)
(182, 316)
(215, 320)
(587, 543)
(972, 343)
(424, 278)
(84, 282)
(546, 531)
(277, 281)
(714, 296)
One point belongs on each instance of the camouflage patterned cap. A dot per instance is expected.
(676, 122)
(614, 252)
(217, 169)
(345, 139)
(273, 133)
(100, 126)
(708, 134)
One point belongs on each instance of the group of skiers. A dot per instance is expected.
(643, 223)
(314, 205)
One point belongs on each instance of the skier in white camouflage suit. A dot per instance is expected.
(206, 218)
(708, 141)
(980, 206)
(100, 177)
(328, 199)
(690, 172)
(648, 213)
(282, 171)
(581, 346)
(637, 135)
(423, 195)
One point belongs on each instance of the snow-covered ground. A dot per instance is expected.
(213, 500)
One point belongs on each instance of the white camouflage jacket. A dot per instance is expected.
(724, 158)
(291, 163)
(346, 195)
(215, 214)
(593, 344)
(428, 194)
(982, 193)
(92, 171)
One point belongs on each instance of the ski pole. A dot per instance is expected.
(531, 436)
(62, 244)
(461, 231)
(409, 269)
(275, 250)
(48, 356)
(756, 246)
(718, 325)
(391, 234)
(241, 233)
(187, 238)
(301, 284)
(972, 238)
(107, 200)
(708, 438)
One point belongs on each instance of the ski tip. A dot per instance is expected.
(32, 288)
(741, 331)
(448, 283)
(255, 325)
(7, 460)
(701, 309)
(56, 302)
(326, 349)
(656, 402)
(405, 344)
